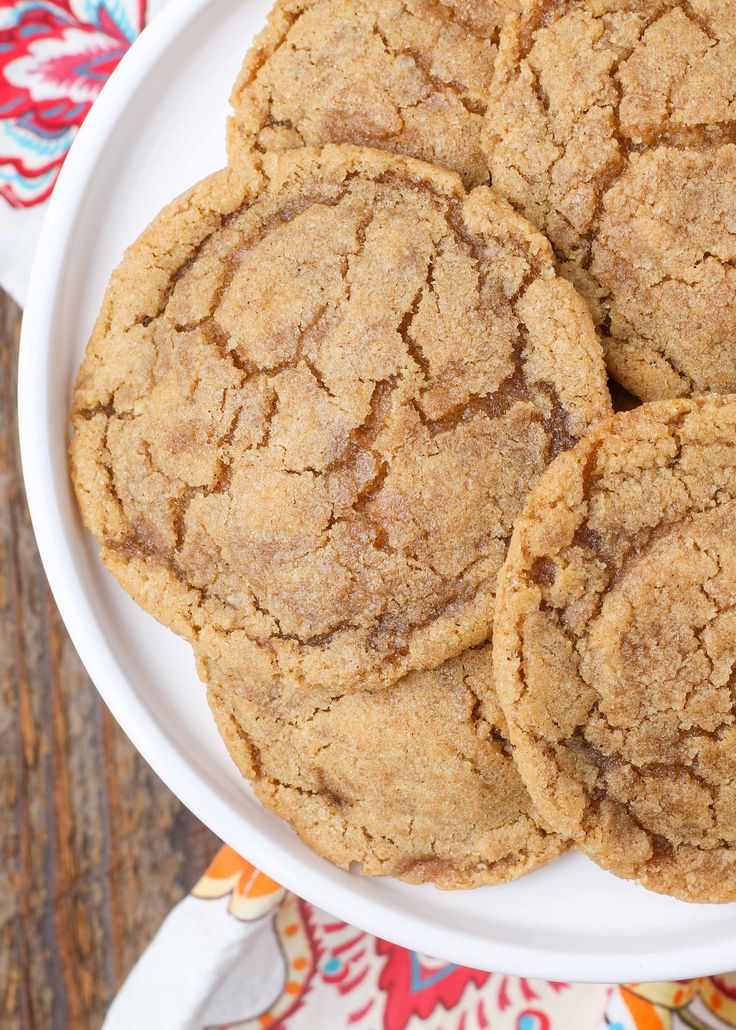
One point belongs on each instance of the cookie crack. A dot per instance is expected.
(452, 16)
(579, 745)
(662, 849)
(591, 540)
(413, 348)
(698, 18)
(385, 624)
(361, 233)
(434, 83)
(482, 725)
(264, 55)
(283, 215)
(317, 640)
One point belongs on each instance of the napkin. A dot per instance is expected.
(55, 58)
(240, 953)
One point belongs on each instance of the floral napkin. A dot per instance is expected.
(240, 952)
(55, 57)
(243, 954)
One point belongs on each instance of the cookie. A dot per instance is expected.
(615, 646)
(313, 405)
(414, 781)
(410, 76)
(612, 126)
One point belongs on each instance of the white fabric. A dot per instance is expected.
(19, 231)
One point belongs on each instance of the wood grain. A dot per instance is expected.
(94, 850)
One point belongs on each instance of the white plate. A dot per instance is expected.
(159, 126)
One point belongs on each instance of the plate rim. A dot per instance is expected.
(75, 606)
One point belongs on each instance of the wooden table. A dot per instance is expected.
(94, 850)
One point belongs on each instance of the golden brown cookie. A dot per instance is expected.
(612, 126)
(414, 781)
(313, 405)
(615, 646)
(411, 76)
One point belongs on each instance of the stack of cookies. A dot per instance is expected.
(344, 425)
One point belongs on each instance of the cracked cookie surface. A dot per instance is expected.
(414, 781)
(313, 406)
(410, 76)
(612, 126)
(615, 659)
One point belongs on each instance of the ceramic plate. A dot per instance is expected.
(158, 126)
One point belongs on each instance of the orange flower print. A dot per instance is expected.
(253, 894)
(703, 1003)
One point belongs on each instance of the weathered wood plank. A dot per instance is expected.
(94, 849)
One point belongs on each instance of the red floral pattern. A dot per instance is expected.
(55, 58)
